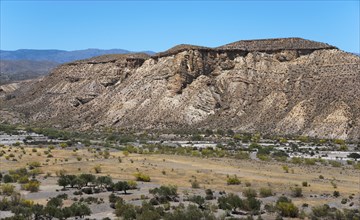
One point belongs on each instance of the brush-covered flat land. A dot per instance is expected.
(233, 176)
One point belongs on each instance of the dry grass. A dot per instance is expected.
(210, 173)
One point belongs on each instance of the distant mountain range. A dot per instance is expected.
(58, 56)
(27, 64)
(15, 70)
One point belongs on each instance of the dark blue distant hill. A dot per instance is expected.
(58, 56)
(28, 64)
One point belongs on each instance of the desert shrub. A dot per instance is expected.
(320, 211)
(305, 184)
(251, 204)
(32, 186)
(209, 194)
(7, 189)
(127, 211)
(321, 177)
(265, 192)
(249, 193)
(296, 192)
(8, 179)
(132, 184)
(263, 157)
(23, 179)
(195, 184)
(286, 208)
(114, 199)
(164, 193)
(230, 202)
(356, 165)
(242, 155)
(333, 184)
(310, 161)
(197, 199)
(191, 212)
(285, 168)
(97, 168)
(63, 145)
(344, 200)
(336, 194)
(142, 177)
(297, 160)
(335, 163)
(233, 180)
(343, 147)
(34, 164)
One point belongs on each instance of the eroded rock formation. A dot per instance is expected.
(287, 86)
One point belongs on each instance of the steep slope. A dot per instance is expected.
(306, 88)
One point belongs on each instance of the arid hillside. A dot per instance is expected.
(281, 86)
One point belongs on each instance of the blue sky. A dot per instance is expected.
(159, 25)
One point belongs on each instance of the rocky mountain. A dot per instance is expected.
(278, 86)
(15, 70)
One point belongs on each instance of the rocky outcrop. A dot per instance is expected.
(286, 86)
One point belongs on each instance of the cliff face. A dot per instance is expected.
(306, 88)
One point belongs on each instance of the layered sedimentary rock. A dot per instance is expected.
(282, 86)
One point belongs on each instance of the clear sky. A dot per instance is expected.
(159, 25)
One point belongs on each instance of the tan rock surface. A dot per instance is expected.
(309, 88)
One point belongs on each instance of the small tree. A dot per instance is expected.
(104, 181)
(63, 181)
(121, 186)
(87, 178)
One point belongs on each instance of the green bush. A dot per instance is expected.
(335, 163)
(97, 168)
(296, 192)
(142, 177)
(234, 180)
(7, 189)
(286, 208)
(265, 192)
(32, 186)
(249, 193)
(195, 184)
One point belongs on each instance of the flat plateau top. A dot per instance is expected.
(276, 44)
